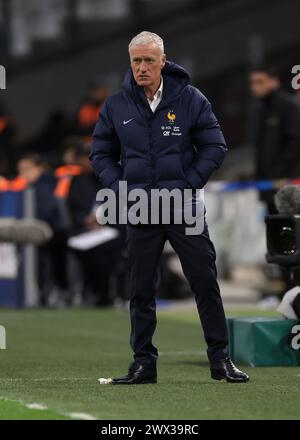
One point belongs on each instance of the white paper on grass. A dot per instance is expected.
(91, 239)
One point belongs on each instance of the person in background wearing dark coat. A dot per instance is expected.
(276, 138)
(159, 132)
(275, 131)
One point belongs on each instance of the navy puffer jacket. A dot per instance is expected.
(177, 146)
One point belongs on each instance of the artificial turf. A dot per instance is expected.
(54, 358)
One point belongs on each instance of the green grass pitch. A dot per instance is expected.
(54, 358)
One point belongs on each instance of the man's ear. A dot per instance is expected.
(163, 61)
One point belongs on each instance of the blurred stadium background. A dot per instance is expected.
(62, 59)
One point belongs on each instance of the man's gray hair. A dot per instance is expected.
(147, 37)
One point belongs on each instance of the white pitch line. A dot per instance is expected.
(82, 416)
(73, 415)
(35, 406)
(39, 406)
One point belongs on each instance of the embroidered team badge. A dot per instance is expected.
(171, 116)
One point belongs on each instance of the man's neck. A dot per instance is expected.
(151, 90)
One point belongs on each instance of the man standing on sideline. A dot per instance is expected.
(275, 134)
(130, 143)
(275, 130)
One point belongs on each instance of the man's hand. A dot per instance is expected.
(90, 222)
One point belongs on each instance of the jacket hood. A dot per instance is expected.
(174, 70)
(176, 78)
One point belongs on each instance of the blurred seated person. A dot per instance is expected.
(51, 256)
(97, 263)
(69, 167)
(73, 145)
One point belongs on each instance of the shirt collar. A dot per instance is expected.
(158, 93)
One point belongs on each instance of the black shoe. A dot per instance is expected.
(137, 373)
(225, 369)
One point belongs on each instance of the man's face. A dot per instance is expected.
(146, 63)
(262, 84)
(29, 170)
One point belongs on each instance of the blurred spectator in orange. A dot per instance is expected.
(70, 166)
(88, 112)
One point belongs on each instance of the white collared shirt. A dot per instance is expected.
(157, 97)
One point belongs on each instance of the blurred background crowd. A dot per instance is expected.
(63, 58)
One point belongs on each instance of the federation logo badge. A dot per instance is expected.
(171, 116)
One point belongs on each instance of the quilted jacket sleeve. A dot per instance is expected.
(209, 143)
(105, 153)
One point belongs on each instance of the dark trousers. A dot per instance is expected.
(197, 256)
